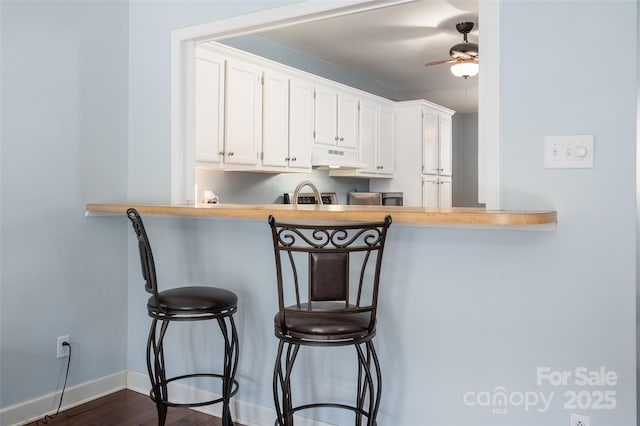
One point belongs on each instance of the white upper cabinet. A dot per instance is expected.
(243, 113)
(287, 127)
(445, 144)
(326, 115)
(347, 120)
(386, 141)
(369, 136)
(430, 142)
(209, 110)
(336, 117)
(301, 109)
(437, 143)
(376, 133)
(275, 123)
(253, 114)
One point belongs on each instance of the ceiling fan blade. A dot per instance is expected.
(445, 61)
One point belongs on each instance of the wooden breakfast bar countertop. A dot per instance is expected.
(445, 217)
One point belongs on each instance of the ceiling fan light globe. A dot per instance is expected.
(465, 69)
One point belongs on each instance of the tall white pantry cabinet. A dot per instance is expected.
(423, 135)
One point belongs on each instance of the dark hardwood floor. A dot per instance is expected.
(127, 408)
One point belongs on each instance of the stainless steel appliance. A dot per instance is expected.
(376, 198)
(392, 198)
(310, 198)
(365, 198)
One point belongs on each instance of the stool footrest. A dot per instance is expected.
(234, 390)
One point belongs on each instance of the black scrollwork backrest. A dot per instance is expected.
(146, 256)
(338, 263)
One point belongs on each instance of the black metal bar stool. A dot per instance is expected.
(185, 304)
(328, 278)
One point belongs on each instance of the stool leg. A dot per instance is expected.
(366, 383)
(373, 408)
(282, 383)
(278, 384)
(231, 355)
(156, 369)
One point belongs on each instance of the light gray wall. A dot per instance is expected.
(575, 299)
(465, 160)
(277, 52)
(64, 143)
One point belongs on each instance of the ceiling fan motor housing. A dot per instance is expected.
(465, 50)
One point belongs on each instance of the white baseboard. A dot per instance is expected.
(35, 409)
(243, 412)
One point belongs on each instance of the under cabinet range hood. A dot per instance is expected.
(325, 157)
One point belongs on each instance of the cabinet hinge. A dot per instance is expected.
(262, 80)
(261, 156)
(314, 135)
(314, 94)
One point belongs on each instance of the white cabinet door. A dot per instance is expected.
(430, 191)
(300, 123)
(243, 106)
(209, 110)
(436, 191)
(386, 142)
(368, 136)
(444, 192)
(430, 142)
(347, 120)
(326, 115)
(336, 118)
(275, 119)
(445, 143)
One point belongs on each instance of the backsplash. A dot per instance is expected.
(263, 188)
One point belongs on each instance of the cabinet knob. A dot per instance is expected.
(221, 153)
(293, 159)
(337, 138)
(230, 154)
(341, 139)
(287, 159)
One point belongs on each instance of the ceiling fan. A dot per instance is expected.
(464, 56)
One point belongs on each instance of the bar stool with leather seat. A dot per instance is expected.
(185, 304)
(328, 278)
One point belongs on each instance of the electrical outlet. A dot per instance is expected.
(62, 350)
(579, 420)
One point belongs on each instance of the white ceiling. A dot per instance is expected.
(392, 44)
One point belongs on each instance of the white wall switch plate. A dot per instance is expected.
(568, 152)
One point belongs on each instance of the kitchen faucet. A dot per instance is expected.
(310, 185)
